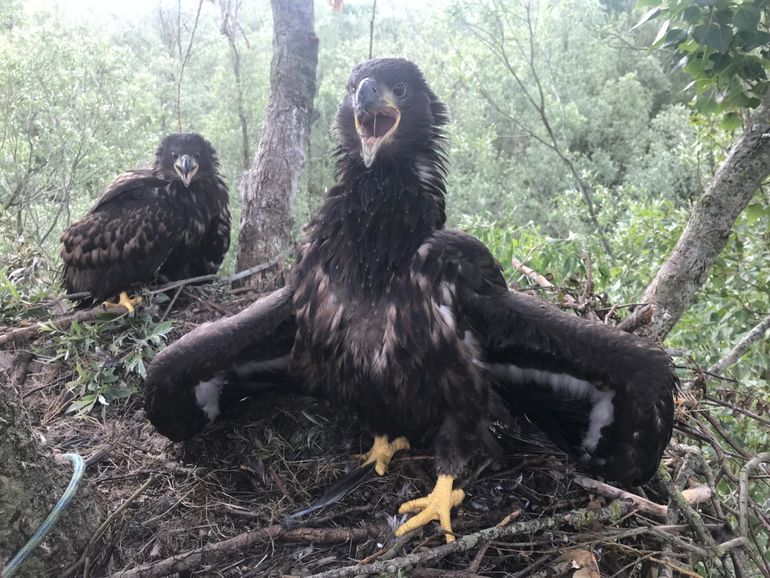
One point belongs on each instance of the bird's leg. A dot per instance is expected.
(126, 301)
(382, 452)
(435, 506)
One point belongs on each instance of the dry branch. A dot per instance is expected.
(22, 334)
(682, 276)
(476, 563)
(757, 333)
(531, 274)
(580, 305)
(577, 518)
(695, 495)
(195, 559)
(744, 489)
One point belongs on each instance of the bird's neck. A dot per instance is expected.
(376, 219)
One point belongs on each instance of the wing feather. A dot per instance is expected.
(603, 395)
(120, 242)
(185, 380)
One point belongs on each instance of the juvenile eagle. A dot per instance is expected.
(170, 221)
(412, 326)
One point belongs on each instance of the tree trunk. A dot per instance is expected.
(711, 221)
(268, 188)
(31, 482)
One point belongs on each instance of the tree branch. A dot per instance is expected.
(756, 334)
(744, 490)
(184, 60)
(711, 221)
(371, 28)
(575, 519)
(194, 559)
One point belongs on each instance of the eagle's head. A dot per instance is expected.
(389, 111)
(186, 156)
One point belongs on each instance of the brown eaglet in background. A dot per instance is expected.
(167, 222)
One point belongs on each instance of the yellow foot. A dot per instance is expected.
(382, 452)
(126, 301)
(435, 506)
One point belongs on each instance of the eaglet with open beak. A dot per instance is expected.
(376, 117)
(186, 166)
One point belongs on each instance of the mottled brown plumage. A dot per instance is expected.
(411, 325)
(170, 222)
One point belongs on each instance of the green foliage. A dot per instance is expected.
(724, 46)
(107, 357)
(18, 299)
(644, 234)
(67, 99)
(602, 111)
(84, 97)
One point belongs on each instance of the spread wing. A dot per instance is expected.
(123, 239)
(185, 380)
(603, 395)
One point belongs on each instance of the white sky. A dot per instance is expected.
(116, 10)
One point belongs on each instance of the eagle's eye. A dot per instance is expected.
(399, 90)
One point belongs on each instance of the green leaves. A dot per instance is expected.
(722, 45)
(109, 358)
(714, 36)
(746, 17)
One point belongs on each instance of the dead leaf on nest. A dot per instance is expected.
(584, 563)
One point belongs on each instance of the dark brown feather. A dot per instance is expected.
(412, 326)
(148, 224)
(228, 350)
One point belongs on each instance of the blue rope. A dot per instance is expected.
(13, 564)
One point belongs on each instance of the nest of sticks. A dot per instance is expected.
(221, 504)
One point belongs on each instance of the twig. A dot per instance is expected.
(193, 559)
(104, 525)
(671, 565)
(26, 333)
(441, 573)
(104, 310)
(694, 495)
(692, 516)
(476, 563)
(743, 502)
(577, 518)
(217, 280)
(531, 274)
(184, 60)
(739, 409)
(389, 551)
(371, 28)
(732, 356)
(727, 436)
(171, 304)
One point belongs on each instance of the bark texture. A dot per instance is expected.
(31, 482)
(268, 188)
(711, 221)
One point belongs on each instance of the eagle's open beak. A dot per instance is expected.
(376, 117)
(186, 167)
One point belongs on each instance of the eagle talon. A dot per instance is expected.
(128, 302)
(435, 506)
(382, 452)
